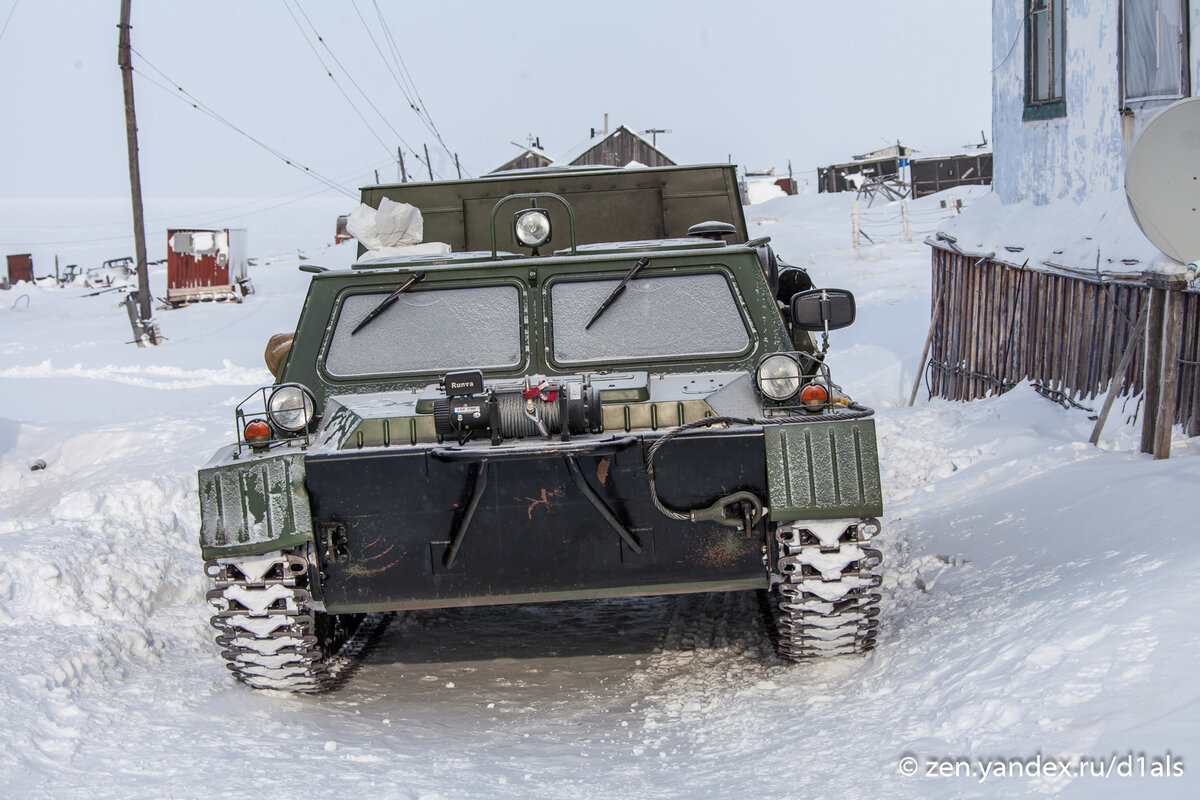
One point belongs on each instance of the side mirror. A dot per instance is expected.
(822, 309)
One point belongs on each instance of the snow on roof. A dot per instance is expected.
(956, 152)
(893, 151)
(526, 150)
(1098, 235)
(535, 151)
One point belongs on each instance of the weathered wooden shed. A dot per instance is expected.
(530, 158)
(938, 173)
(206, 264)
(616, 149)
(842, 177)
(20, 268)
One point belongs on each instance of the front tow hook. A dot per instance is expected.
(722, 512)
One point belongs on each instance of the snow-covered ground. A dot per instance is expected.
(1041, 597)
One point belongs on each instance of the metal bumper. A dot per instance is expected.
(386, 521)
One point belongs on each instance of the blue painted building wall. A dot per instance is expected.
(1082, 153)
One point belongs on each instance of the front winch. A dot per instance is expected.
(545, 409)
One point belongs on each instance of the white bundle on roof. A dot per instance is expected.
(394, 229)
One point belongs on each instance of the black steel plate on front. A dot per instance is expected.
(534, 532)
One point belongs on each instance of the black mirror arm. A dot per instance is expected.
(387, 301)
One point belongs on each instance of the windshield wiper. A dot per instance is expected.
(608, 301)
(387, 301)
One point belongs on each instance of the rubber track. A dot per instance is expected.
(270, 635)
(826, 604)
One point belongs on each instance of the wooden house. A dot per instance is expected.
(878, 164)
(1074, 85)
(934, 174)
(1051, 282)
(617, 148)
(531, 157)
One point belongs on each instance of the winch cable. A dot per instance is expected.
(853, 411)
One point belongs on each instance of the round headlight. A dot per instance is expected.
(778, 377)
(533, 227)
(290, 408)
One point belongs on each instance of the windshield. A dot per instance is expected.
(435, 330)
(676, 316)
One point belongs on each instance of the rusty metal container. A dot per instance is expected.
(20, 268)
(205, 264)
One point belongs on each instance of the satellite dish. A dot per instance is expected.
(1162, 180)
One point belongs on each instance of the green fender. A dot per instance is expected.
(823, 470)
(253, 504)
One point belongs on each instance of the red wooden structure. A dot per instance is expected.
(20, 268)
(205, 264)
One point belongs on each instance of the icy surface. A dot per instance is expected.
(1040, 596)
(680, 315)
(442, 329)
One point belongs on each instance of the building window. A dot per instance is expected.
(1153, 46)
(1045, 59)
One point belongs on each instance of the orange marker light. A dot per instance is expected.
(257, 431)
(814, 396)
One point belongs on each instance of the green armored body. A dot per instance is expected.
(602, 389)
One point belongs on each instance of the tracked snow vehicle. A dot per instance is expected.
(644, 410)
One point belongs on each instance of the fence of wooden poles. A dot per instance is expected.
(1074, 335)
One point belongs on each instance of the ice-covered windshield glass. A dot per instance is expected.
(674, 316)
(436, 330)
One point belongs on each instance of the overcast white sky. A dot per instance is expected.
(761, 83)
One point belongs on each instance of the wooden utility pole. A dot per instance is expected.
(145, 331)
(403, 173)
(428, 163)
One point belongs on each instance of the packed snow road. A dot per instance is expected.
(1041, 599)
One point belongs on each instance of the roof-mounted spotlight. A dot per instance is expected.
(531, 226)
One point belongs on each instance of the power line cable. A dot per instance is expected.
(419, 106)
(328, 72)
(11, 11)
(189, 98)
(397, 78)
(208, 112)
(1016, 38)
(156, 221)
(400, 65)
(162, 229)
(286, 196)
(378, 49)
(349, 77)
(407, 86)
